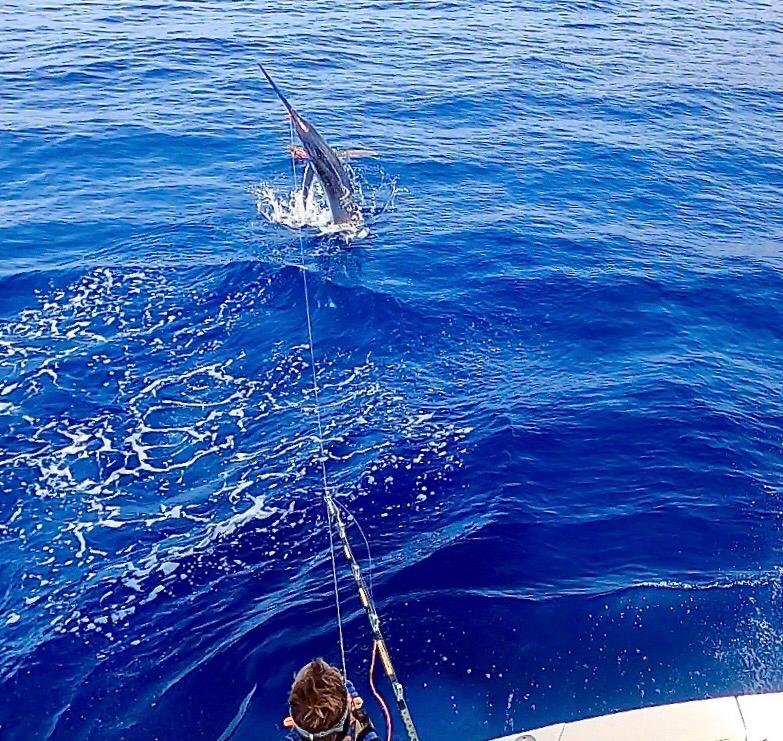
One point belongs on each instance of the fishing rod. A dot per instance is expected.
(374, 618)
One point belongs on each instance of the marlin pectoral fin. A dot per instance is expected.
(307, 182)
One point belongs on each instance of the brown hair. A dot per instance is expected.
(318, 697)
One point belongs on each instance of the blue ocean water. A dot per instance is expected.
(552, 373)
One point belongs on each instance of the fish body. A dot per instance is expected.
(325, 164)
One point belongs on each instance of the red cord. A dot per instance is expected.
(377, 694)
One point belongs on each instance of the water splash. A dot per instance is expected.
(290, 208)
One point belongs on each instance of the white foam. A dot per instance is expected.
(96, 547)
(291, 210)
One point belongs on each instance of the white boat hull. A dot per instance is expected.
(740, 718)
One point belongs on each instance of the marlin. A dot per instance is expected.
(324, 163)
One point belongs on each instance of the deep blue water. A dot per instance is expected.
(552, 374)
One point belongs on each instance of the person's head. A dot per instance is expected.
(318, 700)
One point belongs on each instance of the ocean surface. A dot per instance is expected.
(551, 372)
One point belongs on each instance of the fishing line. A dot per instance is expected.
(327, 495)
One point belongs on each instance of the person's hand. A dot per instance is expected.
(359, 714)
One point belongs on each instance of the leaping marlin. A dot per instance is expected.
(324, 163)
